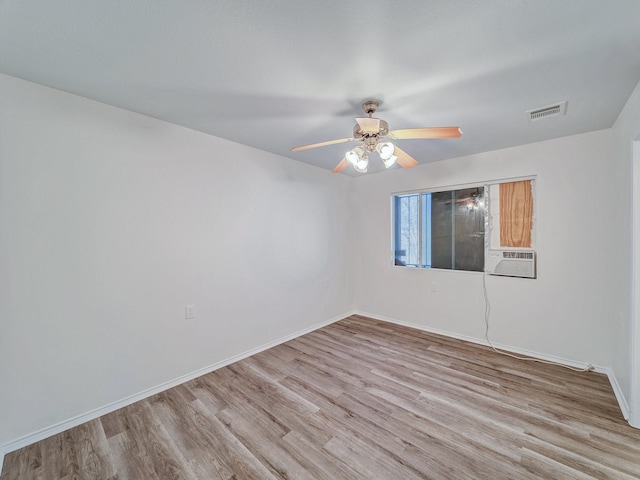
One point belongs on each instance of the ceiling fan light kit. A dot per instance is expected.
(372, 131)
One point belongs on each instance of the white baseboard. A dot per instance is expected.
(622, 403)
(482, 341)
(98, 412)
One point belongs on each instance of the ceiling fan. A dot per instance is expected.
(373, 132)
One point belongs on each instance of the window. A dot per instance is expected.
(440, 229)
(447, 229)
(407, 235)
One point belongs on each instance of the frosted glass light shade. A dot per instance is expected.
(390, 161)
(385, 150)
(352, 157)
(362, 165)
(355, 155)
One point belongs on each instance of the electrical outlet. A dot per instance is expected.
(189, 312)
(434, 286)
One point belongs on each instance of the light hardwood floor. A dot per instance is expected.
(359, 399)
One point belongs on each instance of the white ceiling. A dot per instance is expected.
(277, 74)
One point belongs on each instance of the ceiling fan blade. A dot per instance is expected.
(321, 144)
(341, 166)
(429, 132)
(369, 124)
(404, 159)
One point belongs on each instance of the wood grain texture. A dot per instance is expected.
(358, 399)
(516, 214)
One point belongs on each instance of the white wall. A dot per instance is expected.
(568, 312)
(626, 362)
(112, 222)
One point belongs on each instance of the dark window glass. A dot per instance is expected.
(441, 229)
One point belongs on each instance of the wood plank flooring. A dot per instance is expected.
(358, 399)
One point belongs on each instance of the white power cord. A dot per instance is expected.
(487, 310)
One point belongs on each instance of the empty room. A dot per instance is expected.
(332, 240)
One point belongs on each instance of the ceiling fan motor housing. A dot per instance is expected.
(369, 130)
(383, 131)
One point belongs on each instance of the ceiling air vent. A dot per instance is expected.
(549, 111)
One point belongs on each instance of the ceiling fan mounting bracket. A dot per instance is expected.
(370, 106)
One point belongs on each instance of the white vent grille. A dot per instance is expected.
(550, 111)
(511, 263)
(524, 255)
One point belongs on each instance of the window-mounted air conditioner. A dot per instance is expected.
(512, 263)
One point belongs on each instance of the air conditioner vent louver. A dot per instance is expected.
(549, 111)
(527, 255)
